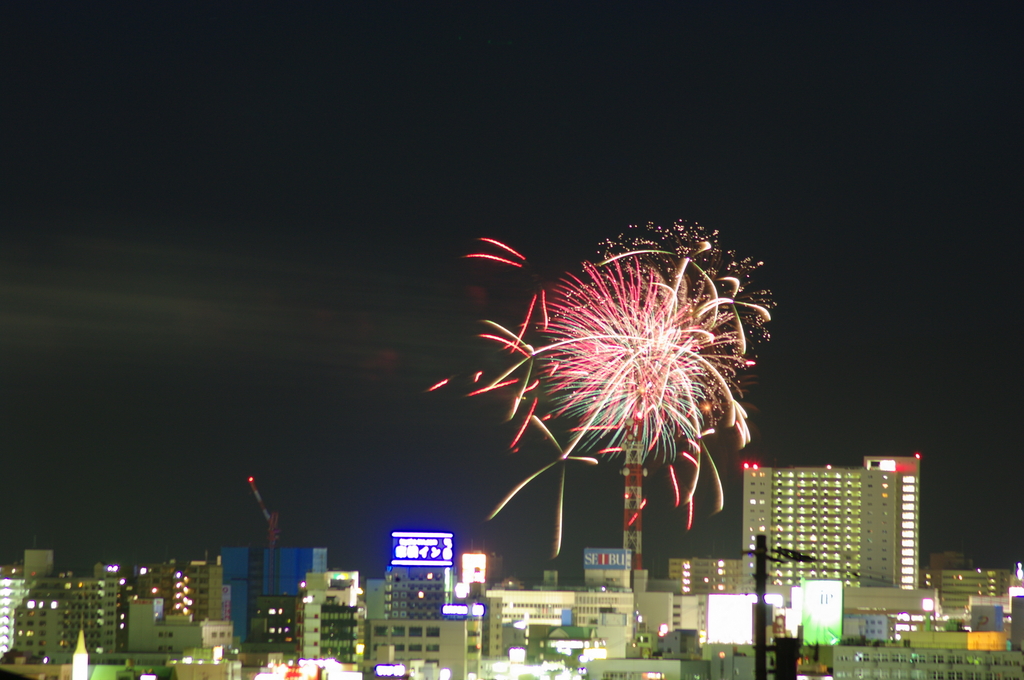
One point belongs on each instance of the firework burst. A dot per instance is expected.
(652, 341)
(649, 343)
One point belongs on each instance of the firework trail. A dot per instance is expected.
(652, 341)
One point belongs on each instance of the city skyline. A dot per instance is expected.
(233, 244)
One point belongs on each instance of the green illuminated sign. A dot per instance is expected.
(822, 612)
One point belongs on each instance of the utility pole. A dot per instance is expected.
(761, 648)
(760, 608)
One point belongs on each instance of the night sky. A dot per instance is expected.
(232, 236)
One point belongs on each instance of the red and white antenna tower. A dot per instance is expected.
(632, 519)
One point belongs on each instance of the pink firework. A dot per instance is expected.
(651, 341)
(631, 347)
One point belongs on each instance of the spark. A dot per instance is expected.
(675, 483)
(512, 345)
(493, 386)
(526, 424)
(558, 515)
(485, 256)
(503, 246)
(438, 385)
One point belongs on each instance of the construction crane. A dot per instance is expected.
(269, 584)
(271, 517)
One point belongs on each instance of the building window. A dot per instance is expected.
(433, 648)
(398, 631)
(380, 631)
(415, 631)
(433, 632)
(416, 648)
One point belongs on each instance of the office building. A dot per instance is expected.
(582, 607)
(417, 592)
(152, 629)
(954, 577)
(250, 573)
(442, 644)
(913, 661)
(702, 575)
(860, 525)
(329, 620)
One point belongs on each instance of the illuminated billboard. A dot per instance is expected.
(730, 618)
(459, 610)
(607, 558)
(474, 568)
(822, 612)
(422, 549)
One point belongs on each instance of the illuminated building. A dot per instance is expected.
(860, 525)
(329, 631)
(421, 576)
(56, 608)
(151, 628)
(12, 594)
(274, 621)
(441, 643)
(665, 669)
(583, 607)
(192, 589)
(474, 568)
(907, 610)
(487, 628)
(957, 586)
(328, 618)
(607, 567)
(701, 575)
(956, 580)
(417, 592)
(916, 661)
(250, 574)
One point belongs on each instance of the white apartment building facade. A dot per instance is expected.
(548, 606)
(860, 525)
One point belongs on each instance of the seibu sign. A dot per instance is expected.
(607, 558)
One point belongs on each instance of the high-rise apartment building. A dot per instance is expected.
(56, 608)
(861, 525)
